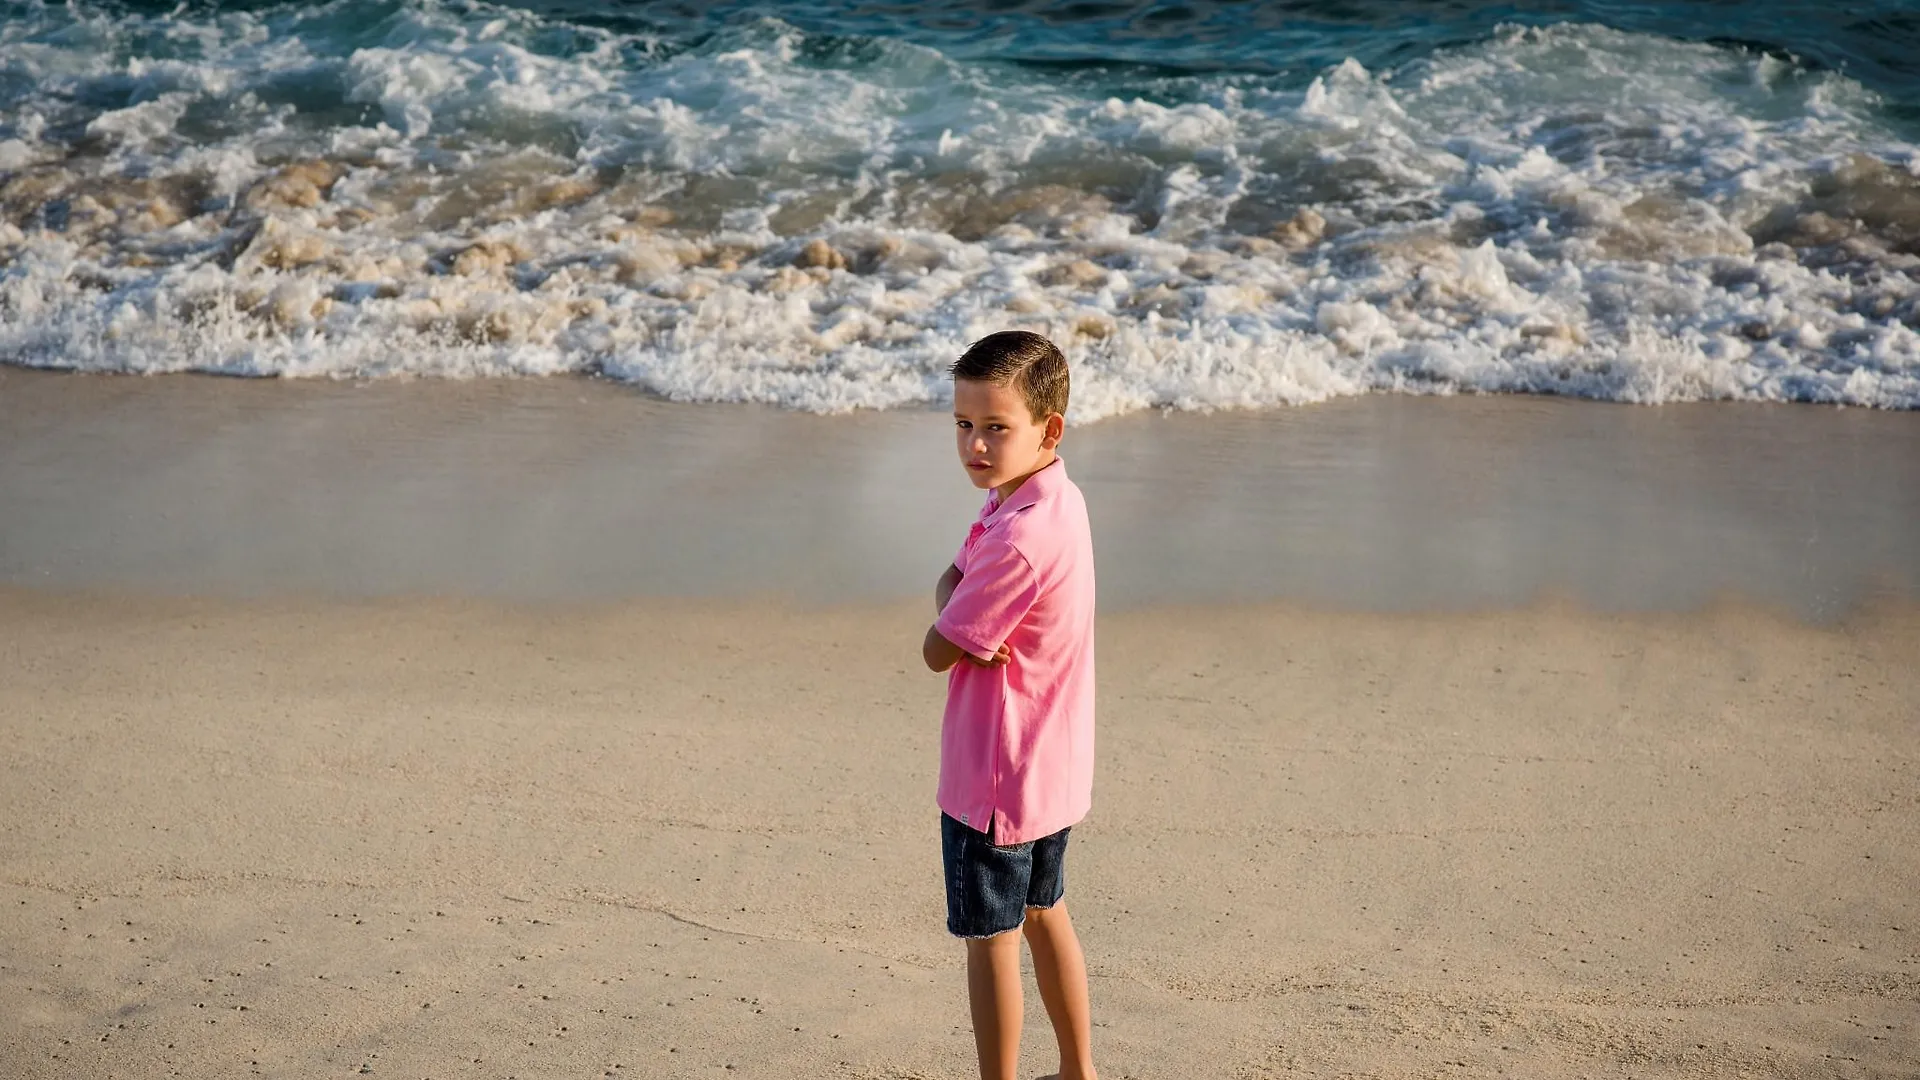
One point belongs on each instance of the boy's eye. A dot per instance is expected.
(996, 427)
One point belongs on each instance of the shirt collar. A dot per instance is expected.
(1036, 487)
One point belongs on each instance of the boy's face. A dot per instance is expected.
(998, 438)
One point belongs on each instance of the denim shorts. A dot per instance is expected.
(990, 888)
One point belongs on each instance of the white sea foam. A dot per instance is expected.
(443, 192)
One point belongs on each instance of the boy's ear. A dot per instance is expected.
(1056, 427)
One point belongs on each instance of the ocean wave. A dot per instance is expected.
(362, 190)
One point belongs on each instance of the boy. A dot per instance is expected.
(1015, 628)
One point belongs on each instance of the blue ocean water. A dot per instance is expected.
(1210, 204)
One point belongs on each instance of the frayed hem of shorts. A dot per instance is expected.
(988, 937)
(1021, 925)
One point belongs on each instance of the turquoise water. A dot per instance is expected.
(1877, 43)
(817, 205)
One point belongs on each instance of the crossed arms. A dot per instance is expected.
(941, 654)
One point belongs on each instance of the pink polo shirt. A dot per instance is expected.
(1016, 746)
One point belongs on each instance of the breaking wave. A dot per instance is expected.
(365, 189)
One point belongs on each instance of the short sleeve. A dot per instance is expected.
(993, 596)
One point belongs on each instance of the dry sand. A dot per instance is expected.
(435, 839)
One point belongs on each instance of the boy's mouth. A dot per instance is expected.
(979, 466)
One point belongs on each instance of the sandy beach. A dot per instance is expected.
(456, 839)
(440, 731)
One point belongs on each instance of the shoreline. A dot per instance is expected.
(575, 490)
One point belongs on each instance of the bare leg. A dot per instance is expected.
(1061, 970)
(993, 991)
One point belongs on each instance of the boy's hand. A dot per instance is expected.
(1001, 657)
(941, 654)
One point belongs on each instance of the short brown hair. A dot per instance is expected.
(1025, 361)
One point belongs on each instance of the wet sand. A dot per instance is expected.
(571, 490)
(538, 729)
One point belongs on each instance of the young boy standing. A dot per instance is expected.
(1015, 630)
